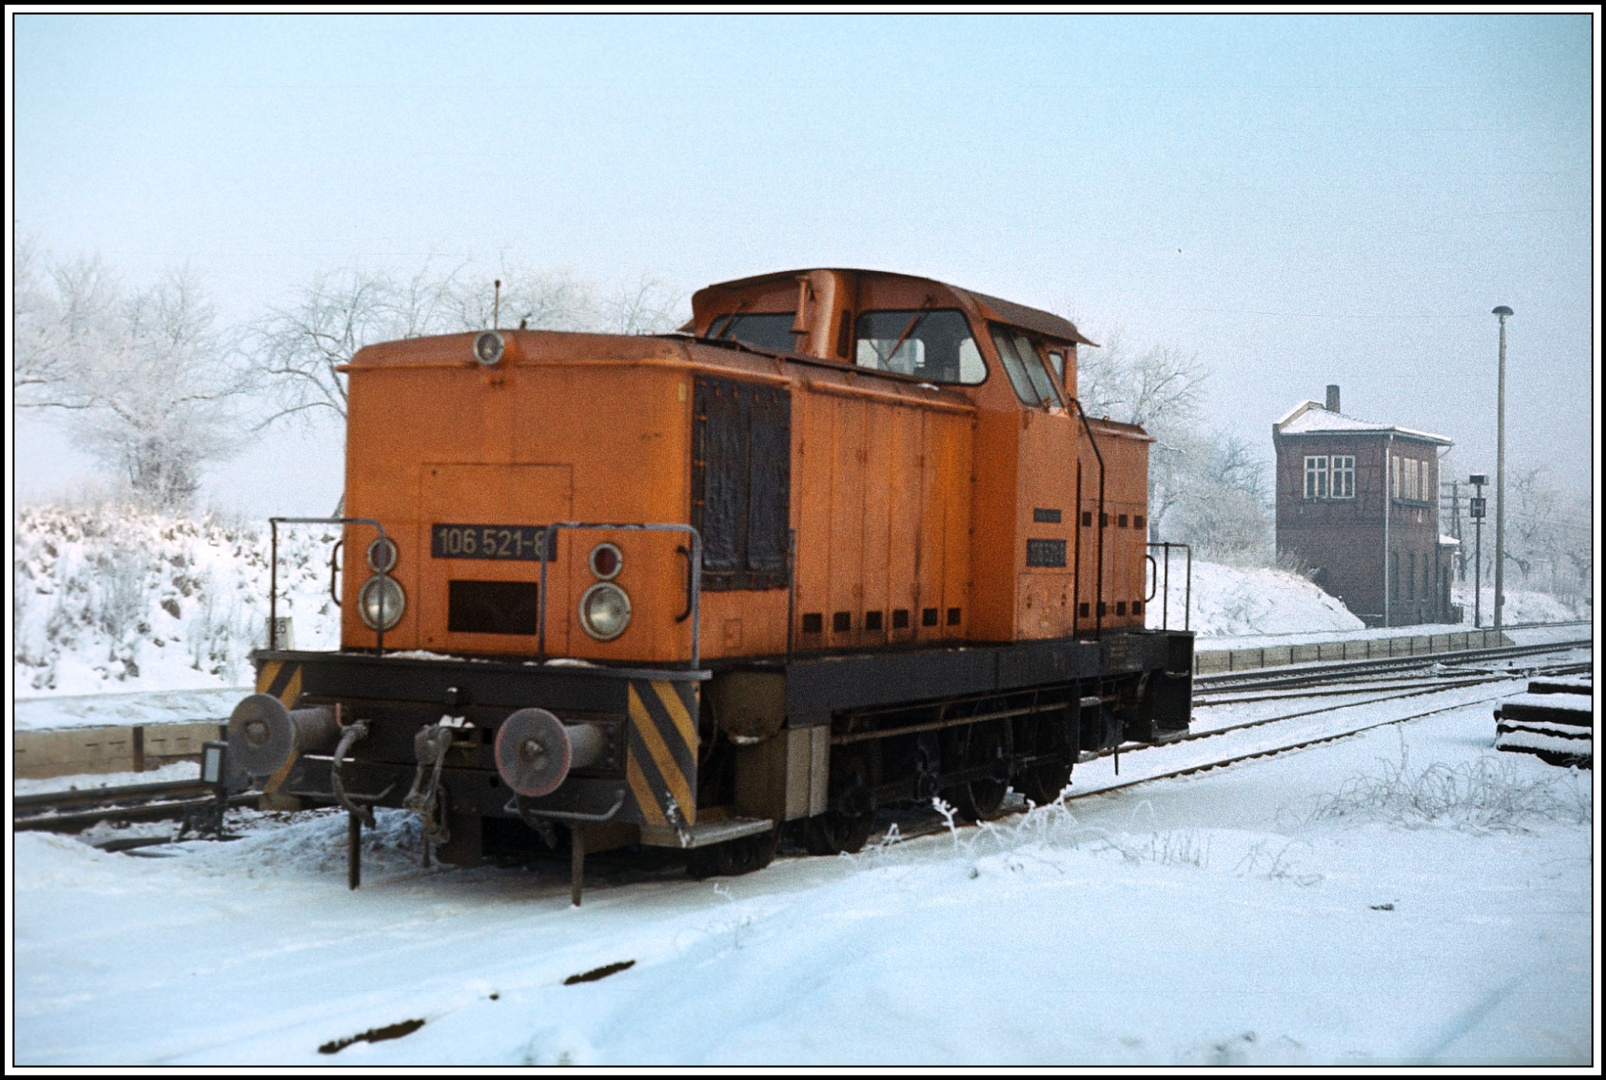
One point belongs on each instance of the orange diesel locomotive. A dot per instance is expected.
(845, 540)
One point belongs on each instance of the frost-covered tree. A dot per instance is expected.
(1158, 389)
(1205, 489)
(297, 349)
(143, 376)
(62, 315)
(527, 298)
(650, 306)
(160, 391)
(1548, 537)
(1219, 498)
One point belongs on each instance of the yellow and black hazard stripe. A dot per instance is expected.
(662, 764)
(282, 679)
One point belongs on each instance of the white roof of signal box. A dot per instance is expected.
(1310, 418)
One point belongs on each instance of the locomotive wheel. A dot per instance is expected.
(972, 746)
(734, 857)
(853, 772)
(1043, 783)
(835, 832)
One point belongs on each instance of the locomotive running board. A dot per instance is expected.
(704, 833)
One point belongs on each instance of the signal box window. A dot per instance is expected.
(1025, 368)
(772, 332)
(1330, 477)
(1343, 486)
(934, 345)
(1316, 478)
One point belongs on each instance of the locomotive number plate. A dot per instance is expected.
(521, 542)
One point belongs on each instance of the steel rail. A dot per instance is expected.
(1269, 752)
(1316, 740)
(1303, 674)
(1364, 684)
(78, 820)
(1294, 693)
(112, 795)
(1188, 770)
(1396, 695)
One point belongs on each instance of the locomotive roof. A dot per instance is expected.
(991, 307)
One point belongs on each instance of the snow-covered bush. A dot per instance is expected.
(1034, 835)
(1488, 793)
(109, 595)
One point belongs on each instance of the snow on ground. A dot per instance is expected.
(172, 772)
(1229, 600)
(1521, 606)
(1239, 607)
(128, 709)
(1310, 909)
(117, 599)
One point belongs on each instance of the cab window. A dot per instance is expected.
(1025, 368)
(772, 332)
(934, 345)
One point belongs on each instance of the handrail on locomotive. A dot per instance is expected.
(273, 568)
(1164, 587)
(694, 583)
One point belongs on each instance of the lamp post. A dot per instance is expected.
(1500, 479)
(1478, 511)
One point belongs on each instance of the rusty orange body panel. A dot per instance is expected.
(917, 512)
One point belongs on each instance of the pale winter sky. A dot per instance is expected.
(1298, 199)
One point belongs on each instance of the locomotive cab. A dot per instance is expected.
(848, 539)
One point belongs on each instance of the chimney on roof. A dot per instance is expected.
(1332, 397)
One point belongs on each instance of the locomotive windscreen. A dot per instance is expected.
(931, 345)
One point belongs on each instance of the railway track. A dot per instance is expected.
(1316, 674)
(73, 811)
(1437, 685)
(1359, 671)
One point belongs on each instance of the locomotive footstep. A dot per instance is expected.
(378, 1034)
(600, 973)
(733, 858)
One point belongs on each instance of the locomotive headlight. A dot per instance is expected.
(604, 611)
(381, 603)
(488, 347)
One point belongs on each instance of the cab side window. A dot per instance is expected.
(772, 332)
(1025, 368)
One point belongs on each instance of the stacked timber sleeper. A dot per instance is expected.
(1554, 720)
